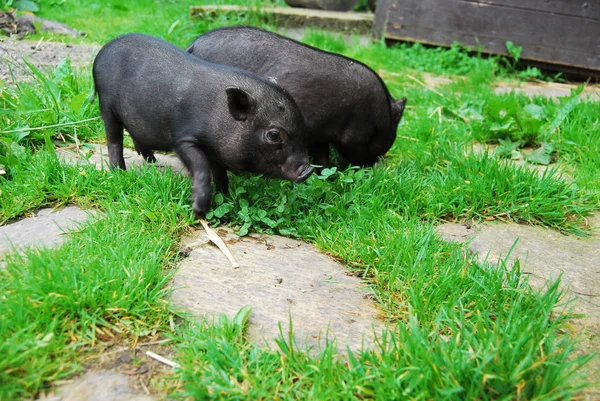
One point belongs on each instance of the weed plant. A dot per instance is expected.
(40, 107)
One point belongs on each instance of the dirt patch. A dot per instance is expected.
(41, 54)
(118, 371)
(10, 24)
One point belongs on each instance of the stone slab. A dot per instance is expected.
(331, 5)
(45, 228)
(360, 23)
(544, 254)
(563, 172)
(280, 278)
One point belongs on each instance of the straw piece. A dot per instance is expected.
(214, 237)
(162, 359)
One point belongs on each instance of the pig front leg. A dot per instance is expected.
(195, 160)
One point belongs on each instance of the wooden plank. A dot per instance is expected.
(524, 27)
(361, 23)
(576, 8)
(381, 18)
(545, 37)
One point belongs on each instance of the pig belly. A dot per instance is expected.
(147, 137)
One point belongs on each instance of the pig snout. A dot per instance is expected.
(297, 173)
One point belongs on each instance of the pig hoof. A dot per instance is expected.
(200, 207)
(200, 211)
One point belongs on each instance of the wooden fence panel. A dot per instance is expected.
(554, 31)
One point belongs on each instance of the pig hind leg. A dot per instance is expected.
(114, 139)
(148, 155)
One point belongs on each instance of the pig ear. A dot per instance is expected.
(241, 103)
(398, 110)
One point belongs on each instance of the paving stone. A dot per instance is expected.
(331, 5)
(563, 171)
(97, 386)
(544, 254)
(280, 278)
(46, 228)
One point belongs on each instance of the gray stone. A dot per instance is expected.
(97, 386)
(280, 278)
(350, 39)
(547, 89)
(521, 161)
(46, 228)
(291, 17)
(544, 254)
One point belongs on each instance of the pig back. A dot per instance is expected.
(334, 92)
(150, 86)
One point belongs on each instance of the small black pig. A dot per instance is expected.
(214, 117)
(344, 102)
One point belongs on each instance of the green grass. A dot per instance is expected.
(459, 329)
(447, 306)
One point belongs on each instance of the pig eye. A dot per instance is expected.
(273, 136)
